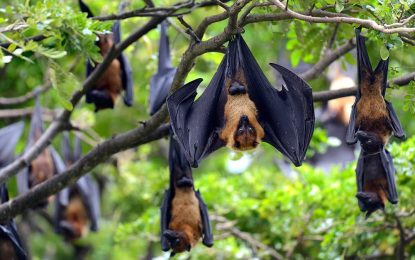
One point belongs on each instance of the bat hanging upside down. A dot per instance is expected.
(240, 108)
(184, 215)
(75, 222)
(117, 76)
(375, 174)
(372, 122)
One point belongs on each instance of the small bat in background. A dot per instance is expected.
(77, 208)
(240, 108)
(160, 83)
(375, 174)
(184, 215)
(46, 165)
(371, 112)
(118, 75)
(10, 245)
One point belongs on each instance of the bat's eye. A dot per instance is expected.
(250, 129)
(240, 131)
(369, 141)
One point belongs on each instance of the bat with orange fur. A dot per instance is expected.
(371, 112)
(184, 215)
(117, 77)
(77, 207)
(45, 165)
(375, 174)
(240, 108)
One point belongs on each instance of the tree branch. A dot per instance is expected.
(6, 101)
(98, 154)
(340, 18)
(345, 92)
(320, 66)
(62, 121)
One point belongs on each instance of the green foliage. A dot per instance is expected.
(307, 213)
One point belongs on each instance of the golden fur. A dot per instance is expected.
(371, 114)
(342, 107)
(77, 216)
(237, 106)
(42, 166)
(186, 218)
(379, 186)
(111, 80)
(7, 250)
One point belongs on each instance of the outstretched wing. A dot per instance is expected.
(196, 123)
(287, 116)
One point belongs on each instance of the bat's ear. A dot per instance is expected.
(188, 248)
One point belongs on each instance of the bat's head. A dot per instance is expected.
(371, 202)
(369, 141)
(245, 136)
(178, 240)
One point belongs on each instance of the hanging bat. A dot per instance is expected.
(46, 165)
(77, 207)
(240, 108)
(371, 112)
(10, 245)
(184, 215)
(161, 81)
(375, 174)
(9, 136)
(118, 75)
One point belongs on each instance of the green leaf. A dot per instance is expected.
(339, 6)
(384, 52)
(65, 103)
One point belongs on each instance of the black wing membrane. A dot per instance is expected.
(365, 72)
(196, 123)
(87, 188)
(126, 71)
(36, 128)
(8, 230)
(387, 164)
(84, 8)
(9, 136)
(180, 169)
(207, 229)
(160, 82)
(287, 116)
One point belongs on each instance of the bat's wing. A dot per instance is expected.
(126, 71)
(84, 8)
(387, 162)
(160, 83)
(364, 69)
(287, 116)
(57, 161)
(394, 121)
(9, 230)
(36, 129)
(165, 217)
(207, 230)
(66, 149)
(9, 136)
(360, 179)
(196, 123)
(90, 195)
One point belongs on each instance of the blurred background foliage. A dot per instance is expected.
(258, 210)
